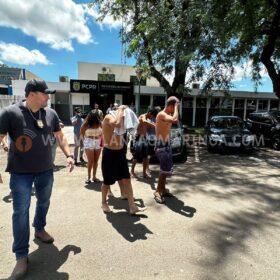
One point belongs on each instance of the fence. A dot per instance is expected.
(6, 100)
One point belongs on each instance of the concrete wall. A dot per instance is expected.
(90, 71)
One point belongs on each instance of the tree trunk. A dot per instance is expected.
(276, 86)
(268, 51)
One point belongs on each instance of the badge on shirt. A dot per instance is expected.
(39, 123)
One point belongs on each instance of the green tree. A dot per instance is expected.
(165, 37)
(248, 30)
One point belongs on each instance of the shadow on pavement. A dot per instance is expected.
(119, 203)
(45, 262)
(248, 186)
(127, 226)
(178, 206)
(8, 198)
(94, 186)
(232, 232)
(151, 181)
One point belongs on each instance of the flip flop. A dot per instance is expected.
(159, 199)
(106, 209)
(138, 210)
(133, 175)
(110, 194)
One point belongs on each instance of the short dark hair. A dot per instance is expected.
(153, 112)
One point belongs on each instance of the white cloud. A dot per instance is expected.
(245, 70)
(108, 21)
(56, 23)
(17, 54)
(240, 73)
(1, 62)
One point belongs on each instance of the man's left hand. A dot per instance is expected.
(70, 163)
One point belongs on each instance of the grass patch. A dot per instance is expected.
(196, 130)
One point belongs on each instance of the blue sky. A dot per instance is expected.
(49, 37)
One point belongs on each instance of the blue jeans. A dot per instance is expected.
(21, 187)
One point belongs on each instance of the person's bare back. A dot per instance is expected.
(111, 140)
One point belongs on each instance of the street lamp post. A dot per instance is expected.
(139, 73)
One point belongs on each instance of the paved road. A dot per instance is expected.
(223, 224)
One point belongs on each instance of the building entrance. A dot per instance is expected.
(103, 100)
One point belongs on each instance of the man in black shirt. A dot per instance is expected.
(31, 126)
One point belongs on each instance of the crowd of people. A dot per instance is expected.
(29, 123)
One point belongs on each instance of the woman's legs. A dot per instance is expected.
(95, 163)
(90, 157)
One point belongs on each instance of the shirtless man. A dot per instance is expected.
(141, 143)
(164, 121)
(114, 164)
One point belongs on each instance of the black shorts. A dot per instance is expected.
(141, 149)
(114, 166)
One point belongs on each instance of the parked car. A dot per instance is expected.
(266, 124)
(178, 144)
(228, 132)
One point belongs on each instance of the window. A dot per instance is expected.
(201, 103)
(215, 103)
(226, 103)
(188, 102)
(159, 101)
(274, 104)
(144, 103)
(134, 80)
(106, 77)
(263, 104)
(251, 104)
(239, 103)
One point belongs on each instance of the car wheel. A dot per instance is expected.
(276, 142)
(210, 149)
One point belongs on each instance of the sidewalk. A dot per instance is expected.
(69, 132)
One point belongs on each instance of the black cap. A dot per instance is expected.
(41, 86)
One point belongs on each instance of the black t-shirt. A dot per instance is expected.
(30, 146)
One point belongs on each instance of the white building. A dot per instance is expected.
(108, 83)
